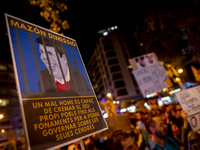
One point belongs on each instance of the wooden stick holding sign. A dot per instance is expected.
(82, 145)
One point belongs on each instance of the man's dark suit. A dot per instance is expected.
(77, 83)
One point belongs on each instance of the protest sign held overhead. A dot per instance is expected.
(149, 73)
(58, 104)
(190, 101)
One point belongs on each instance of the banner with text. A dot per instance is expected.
(190, 101)
(151, 78)
(57, 101)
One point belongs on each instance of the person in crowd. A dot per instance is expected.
(178, 120)
(74, 146)
(124, 141)
(141, 125)
(158, 139)
(180, 135)
(193, 140)
(133, 119)
(140, 116)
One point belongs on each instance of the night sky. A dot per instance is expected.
(85, 19)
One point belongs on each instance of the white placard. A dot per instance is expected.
(190, 100)
(194, 121)
(151, 78)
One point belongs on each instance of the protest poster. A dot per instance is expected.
(58, 104)
(143, 61)
(189, 100)
(149, 73)
(151, 78)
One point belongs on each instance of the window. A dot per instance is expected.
(119, 84)
(108, 77)
(114, 69)
(108, 47)
(106, 41)
(121, 92)
(123, 48)
(93, 65)
(98, 90)
(121, 41)
(117, 76)
(12, 85)
(106, 70)
(113, 61)
(3, 76)
(3, 84)
(112, 91)
(3, 67)
(101, 88)
(4, 102)
(100, 48)
(97, 69)
(137, 91)
(110, 54)
(5, 123)
(103, 59)
(3, 92)
(97, 77)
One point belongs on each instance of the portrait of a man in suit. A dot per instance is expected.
(58, 74)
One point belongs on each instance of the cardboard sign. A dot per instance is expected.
(58, 104)
(143, 61)
(194, 121)
(119, 122)
(151, 78)
(190, 102)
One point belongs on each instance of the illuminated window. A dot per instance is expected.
(2, 67)
(4, 102)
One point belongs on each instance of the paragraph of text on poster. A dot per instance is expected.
(65, 118)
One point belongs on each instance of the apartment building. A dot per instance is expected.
(9, 103)
(109, 69)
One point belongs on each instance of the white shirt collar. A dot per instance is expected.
(67, 77)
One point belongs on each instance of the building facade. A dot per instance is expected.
(109, 69)
(9, 103)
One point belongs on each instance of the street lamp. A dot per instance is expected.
(178, 79)
(109, 95)
(1, 116)
(180, 70)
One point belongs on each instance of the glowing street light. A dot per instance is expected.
(1, 116)
(180, 70)
(178, 79)
(109, 95)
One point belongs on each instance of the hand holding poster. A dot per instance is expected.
(57, 101)
(190, 101)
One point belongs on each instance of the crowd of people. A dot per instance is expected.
(158, 129)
